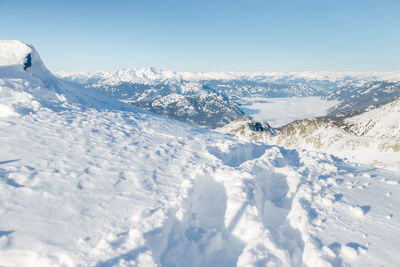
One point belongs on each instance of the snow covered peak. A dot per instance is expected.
(26, 85)
(13, 55)
(149, 75)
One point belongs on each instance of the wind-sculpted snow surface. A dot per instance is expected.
(86, 181)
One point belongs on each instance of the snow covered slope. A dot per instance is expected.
(379, 122)
(361, 97)
(12, 58)
(88, 181)
(372, 137)
(159, 92)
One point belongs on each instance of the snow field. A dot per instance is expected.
(87, 181)
(92, 186)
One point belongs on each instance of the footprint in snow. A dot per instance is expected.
(363, 186)
(391, 182)
(360, 211)
(352, 250)
(339, 181)
(5, 233)
(366, 175)
(389, 216)
(79, 186)
(338, 197)
(333, 249)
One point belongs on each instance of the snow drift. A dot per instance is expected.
(88, 181)
(12, 59)
(22, 90)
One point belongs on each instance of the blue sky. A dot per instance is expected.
(237, 35)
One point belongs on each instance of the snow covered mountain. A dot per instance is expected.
(187, 101)
(361, 97)
(89, 181)
(156, 76)
(356, 91)
(372, 137)
(233, 85)
(379, 122)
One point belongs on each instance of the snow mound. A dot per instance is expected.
(13, 53)
(12, 58)
(25, 91)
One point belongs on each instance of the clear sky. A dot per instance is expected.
(203, 35)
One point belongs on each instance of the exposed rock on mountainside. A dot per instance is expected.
(372, 137)
(358, 92)
(185, 101)
(361, 97)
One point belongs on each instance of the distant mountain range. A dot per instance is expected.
(363, 96)
(210, 99)
(155, 76)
